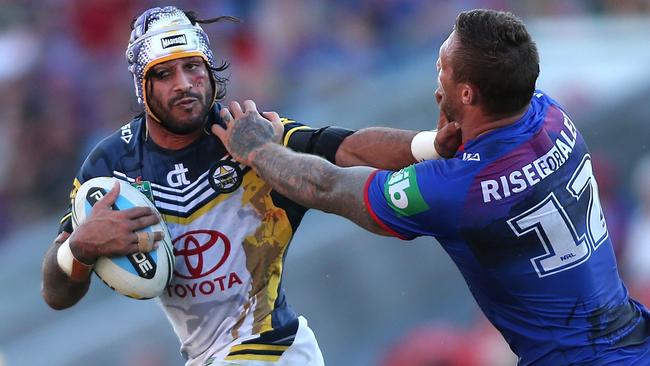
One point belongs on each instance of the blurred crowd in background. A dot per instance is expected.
(64, 85)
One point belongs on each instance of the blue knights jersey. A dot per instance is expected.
(517, 210)
(230, 232)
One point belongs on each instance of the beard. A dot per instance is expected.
(181, 126)
(449, 110)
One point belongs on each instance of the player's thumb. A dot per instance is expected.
(276, 123)
(272, 116)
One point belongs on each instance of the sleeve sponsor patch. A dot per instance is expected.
(403, 194)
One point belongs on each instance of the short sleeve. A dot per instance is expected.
(95, 165)
(419, 200)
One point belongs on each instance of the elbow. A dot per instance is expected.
(53, 302)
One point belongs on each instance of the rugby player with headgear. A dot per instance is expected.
(516, 208)
(230, 229)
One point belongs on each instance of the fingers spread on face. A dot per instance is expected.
(235, 109)
(276, 123)
(226, 116)
(271, 116)
(249, 106)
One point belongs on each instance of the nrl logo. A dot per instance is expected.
(173, 41)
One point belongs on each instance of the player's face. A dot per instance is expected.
(180, 94)
(447, 94)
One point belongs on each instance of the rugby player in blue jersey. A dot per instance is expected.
(230, 230)
(516, 208)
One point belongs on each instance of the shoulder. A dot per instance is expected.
(429, 175)
(125, 138)
(105, 154)
(542, 97)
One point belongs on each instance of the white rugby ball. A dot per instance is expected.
(138, 275)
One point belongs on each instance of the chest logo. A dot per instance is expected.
(176, 177)
(202, 252)
(225, 176)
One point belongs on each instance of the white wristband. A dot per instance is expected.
(423, 147)
(74, 268)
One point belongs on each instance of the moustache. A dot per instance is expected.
(187, 94)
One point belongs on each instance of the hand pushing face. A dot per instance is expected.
(246, 130)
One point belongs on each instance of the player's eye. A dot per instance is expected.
(160, 74)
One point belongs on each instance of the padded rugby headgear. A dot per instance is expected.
(163, 34)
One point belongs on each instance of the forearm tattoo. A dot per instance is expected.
(314, 182)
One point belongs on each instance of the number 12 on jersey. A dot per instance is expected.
(565, 248)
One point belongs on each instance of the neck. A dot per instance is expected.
(476, 123)
(167, 139)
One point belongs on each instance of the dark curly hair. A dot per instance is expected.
(496, 53)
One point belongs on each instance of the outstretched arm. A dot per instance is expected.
(392, 149)
(309, 180)
(379, 147)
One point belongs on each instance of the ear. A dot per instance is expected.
(468, 94)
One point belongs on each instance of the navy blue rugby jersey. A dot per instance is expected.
(230, 232)
(518, 212)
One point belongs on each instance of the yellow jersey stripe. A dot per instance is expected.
(252, 357)
(264, 347)
(65, 217)
(273, 289)
(75, 187)
(287, 136)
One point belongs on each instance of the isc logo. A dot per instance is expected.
(126, 134)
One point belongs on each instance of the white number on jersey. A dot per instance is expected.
(563, 246)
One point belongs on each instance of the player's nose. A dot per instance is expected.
(438, 95)
(182, 81)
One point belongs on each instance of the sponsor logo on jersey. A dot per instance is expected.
(471, 156)
(126, 133)
(402, 192)
(202, 252)
(225, 176)
(172, 41)
(523, 177)
(176, 177)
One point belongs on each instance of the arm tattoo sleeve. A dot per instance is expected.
(314, 182)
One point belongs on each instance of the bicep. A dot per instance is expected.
(379, 147)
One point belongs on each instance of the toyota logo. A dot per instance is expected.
(203, 251)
